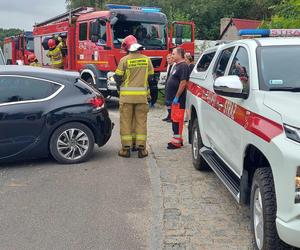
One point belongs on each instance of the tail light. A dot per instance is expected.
(97, 102)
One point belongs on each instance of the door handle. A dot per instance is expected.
(31, 117)
(220, 105)
(206, 94)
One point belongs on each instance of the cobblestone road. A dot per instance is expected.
(198, 211)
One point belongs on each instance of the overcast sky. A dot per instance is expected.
(23, 14)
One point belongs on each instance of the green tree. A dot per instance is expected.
(286, 15)
(8, 32)
(206, 14)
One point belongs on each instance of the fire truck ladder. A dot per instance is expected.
(69, 14)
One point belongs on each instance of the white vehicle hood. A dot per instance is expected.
(287, 104)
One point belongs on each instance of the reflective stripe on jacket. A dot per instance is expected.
(135, 69)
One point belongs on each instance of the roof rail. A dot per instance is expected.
(61, 17)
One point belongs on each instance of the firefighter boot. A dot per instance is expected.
(142, 152)
(125, 152)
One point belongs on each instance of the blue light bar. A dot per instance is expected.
(116, 6)
(255, 32)
(270, 32)
(127, 7)
(150, 9)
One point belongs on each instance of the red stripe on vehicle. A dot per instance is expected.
(252, 122)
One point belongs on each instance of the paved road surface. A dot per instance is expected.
(102, 204)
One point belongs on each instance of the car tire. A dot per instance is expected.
(198, 161)
(72, 143)
(90, 80)
(263, 211)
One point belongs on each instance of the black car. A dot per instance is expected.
(45, 111)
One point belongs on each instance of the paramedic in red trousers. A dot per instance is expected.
(176, 94)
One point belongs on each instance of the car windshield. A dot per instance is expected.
(29, 44)
(150, 35)
(279, 68)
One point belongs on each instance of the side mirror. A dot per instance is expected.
(16, 40)
(113, 21)
(230, 86)
(179, 31)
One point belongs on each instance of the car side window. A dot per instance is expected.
(82, 31)
(240, 67)
(102, 33)
(222, 62)
(17, 89)
(205, 62)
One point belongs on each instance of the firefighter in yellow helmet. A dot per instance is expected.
(55, 54)
(134, 74)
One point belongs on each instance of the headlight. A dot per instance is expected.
(297, 187)
(292, 133)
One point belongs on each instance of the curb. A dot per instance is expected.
(156, 227)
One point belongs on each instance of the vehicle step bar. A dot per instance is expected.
(230, 180)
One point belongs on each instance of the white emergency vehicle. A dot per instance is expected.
(243, 102)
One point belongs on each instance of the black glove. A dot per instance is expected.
(152, 81)
(118, 80)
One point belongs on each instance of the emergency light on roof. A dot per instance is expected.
(127, 7)
(270, 32)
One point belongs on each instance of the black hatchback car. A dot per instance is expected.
(45, 111)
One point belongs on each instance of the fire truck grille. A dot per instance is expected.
(156, 61)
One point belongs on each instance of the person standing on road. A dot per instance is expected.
(33, 61)
(55, 54)
(170, 68)
(133, 76)
(190, 61)
(176, 94)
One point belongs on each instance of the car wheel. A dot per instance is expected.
(90, 80)
(263, 211)
(72, 143)
(198, 161)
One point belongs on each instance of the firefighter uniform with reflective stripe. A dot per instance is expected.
(56, 56)
(134, 69)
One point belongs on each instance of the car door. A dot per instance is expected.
(200, 78)
(182, 34)
(231, 111)
(23, 101)
(212, 118)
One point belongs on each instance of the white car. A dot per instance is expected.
(243, 102)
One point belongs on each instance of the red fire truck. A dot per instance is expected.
(93, 40)
(18, 48)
